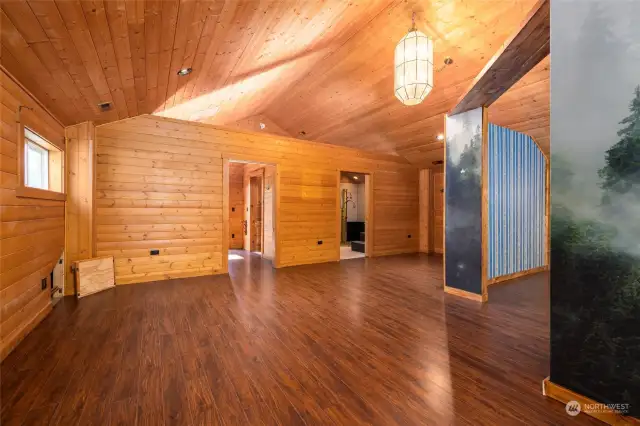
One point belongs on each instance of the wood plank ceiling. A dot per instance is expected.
(324, 68)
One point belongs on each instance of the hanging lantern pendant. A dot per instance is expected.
(413, 77)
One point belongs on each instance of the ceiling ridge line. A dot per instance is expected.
(389, 6)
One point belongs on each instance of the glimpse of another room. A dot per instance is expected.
(353, 207)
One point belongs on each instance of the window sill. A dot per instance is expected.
(43, 194)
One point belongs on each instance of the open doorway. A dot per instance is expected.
(354, 204)
(252, 210)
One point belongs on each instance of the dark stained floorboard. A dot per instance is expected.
(364, 341)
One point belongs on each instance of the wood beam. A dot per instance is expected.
(518, 55)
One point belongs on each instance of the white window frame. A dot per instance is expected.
(32, 146)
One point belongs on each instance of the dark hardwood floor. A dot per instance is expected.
(372, 341)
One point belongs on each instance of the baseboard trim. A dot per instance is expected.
(7, 346)
(564, 395)
(466, 294)
(519, 274)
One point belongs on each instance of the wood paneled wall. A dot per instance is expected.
(158, 193)
(31, 230)
(396, 212)
(425, 211)
(81, 167)
(159, 186)
(236, 205)
(437, 211)
(268, 218)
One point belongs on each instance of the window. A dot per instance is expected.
(36, 164)
(42, 168)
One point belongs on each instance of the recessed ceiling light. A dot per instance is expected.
(185, 71)
(302, 133)
(262, 126)
(355, 177)
(440, 137)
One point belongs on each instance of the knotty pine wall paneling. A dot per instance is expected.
(81, 166)
(158, 193)
(268, 218)
(31, 230)
(396, 228)
(159, 186)
(425, 210)
(236, 205)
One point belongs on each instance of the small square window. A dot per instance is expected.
(43, 163)
(37, 166)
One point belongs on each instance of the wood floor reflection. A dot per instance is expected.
(368, 341)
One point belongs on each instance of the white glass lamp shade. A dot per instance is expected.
(413, 78)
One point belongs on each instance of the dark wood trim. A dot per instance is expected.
(564, 395)
(529, 45)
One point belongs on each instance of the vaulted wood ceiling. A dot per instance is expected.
(320, 67)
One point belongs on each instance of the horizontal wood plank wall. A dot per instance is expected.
(31, 230)
(156, 193)
(159, 186)
(80, 166)
(268, 219)
(396, 210)
(236, 205)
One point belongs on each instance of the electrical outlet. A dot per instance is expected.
(409, 236)
(233, 235)
(233, 209)
(319, 242)
(43, 284)
(154, 252)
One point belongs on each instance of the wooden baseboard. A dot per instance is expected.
(8, 345)
(520, 274)
(465, 294)
(564, 395)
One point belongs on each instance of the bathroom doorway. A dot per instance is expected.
(353, 195)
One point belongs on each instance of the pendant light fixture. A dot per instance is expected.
(413, 78)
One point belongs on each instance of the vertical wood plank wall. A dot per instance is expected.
(159, 186)
(236, 205)
(425, 211)
(31, 230)
(516, 202)
(79, 213)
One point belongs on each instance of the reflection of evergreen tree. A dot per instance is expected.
(561, 175)
(622, 170)
(596, 292)
(464, 220)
